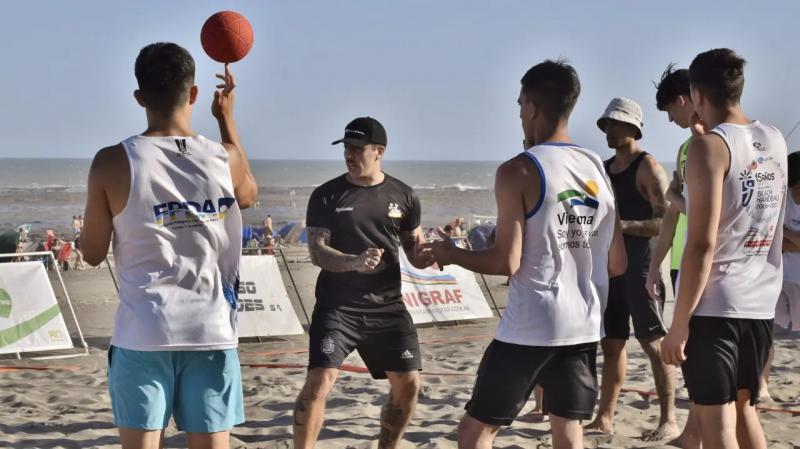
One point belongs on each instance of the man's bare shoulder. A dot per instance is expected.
(519, 168)
(707, 142)
(109, 158)
(650, 166)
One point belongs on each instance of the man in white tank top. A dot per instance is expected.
(787, 311)
(731, 272)
(172, 199)
(555, 226)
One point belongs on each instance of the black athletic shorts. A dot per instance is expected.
(724, 355)
(386, 341)
(628, 299)
(508, 373)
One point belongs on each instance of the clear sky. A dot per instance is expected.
(442, 76)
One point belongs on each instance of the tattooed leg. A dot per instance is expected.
(309, 408)
(396, 413)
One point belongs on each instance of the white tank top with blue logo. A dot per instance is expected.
(176, 246)
(746, 269)
(558, 295)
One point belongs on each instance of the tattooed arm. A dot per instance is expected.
(651, 179)
(333, 260)
(413, 243)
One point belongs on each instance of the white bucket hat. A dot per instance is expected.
(623, 110)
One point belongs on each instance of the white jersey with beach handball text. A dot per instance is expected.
(177, 245)
(746, 269)
(558, 295)
(791, 261)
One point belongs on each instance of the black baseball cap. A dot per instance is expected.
(363, 131)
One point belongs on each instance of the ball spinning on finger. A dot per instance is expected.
(227, 36)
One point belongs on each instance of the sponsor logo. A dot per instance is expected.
(757, 243)
(188, 213)
(394, 211)
(433, 298)
(406, 355)
(254, 304)
(344, 209)
(250, 305)
(182, 150)
(326, 345)
(748, 186)
(587, 197)
(355, 131)
(5, 304)
(758, 147)
(424, 279)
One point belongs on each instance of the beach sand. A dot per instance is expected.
(70, 407)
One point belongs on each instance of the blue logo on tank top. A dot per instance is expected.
(186, 213)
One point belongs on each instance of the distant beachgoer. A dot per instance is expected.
(448, 229)
(78, 254)
(76, 224)
(268, 225)
(292, 201)
(458, 227)
(559, 279)
(20, 249)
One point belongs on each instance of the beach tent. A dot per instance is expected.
(250, 231)
(294, 232)
(480, 236)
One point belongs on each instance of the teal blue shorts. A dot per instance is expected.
(202, 390)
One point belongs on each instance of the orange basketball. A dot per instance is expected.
(227, 36)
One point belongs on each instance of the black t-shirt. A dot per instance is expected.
(360, 218)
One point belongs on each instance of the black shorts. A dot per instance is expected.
(508, 373)
(628, 299)
(724, 355)
(673, 276)
(386, 341)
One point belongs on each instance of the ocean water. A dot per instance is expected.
(48, 192)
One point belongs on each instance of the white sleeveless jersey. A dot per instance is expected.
(746, 268)
(558, 295)
(177, 245)
(791, 261)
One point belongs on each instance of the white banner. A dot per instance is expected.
(264, 305)
(431, 295)
(30, 319)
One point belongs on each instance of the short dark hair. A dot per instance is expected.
(793, 168)
(552, 86)
(719, 74)
(673, 84)
(165, 73)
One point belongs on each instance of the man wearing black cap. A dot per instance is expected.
(356, 224)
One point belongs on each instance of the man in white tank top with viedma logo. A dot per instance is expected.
(787, 311)
(731, 273)
(639, 184)
(172, 199)
(357, 223)
(558, 238)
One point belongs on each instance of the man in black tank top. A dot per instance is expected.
(639, 185)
